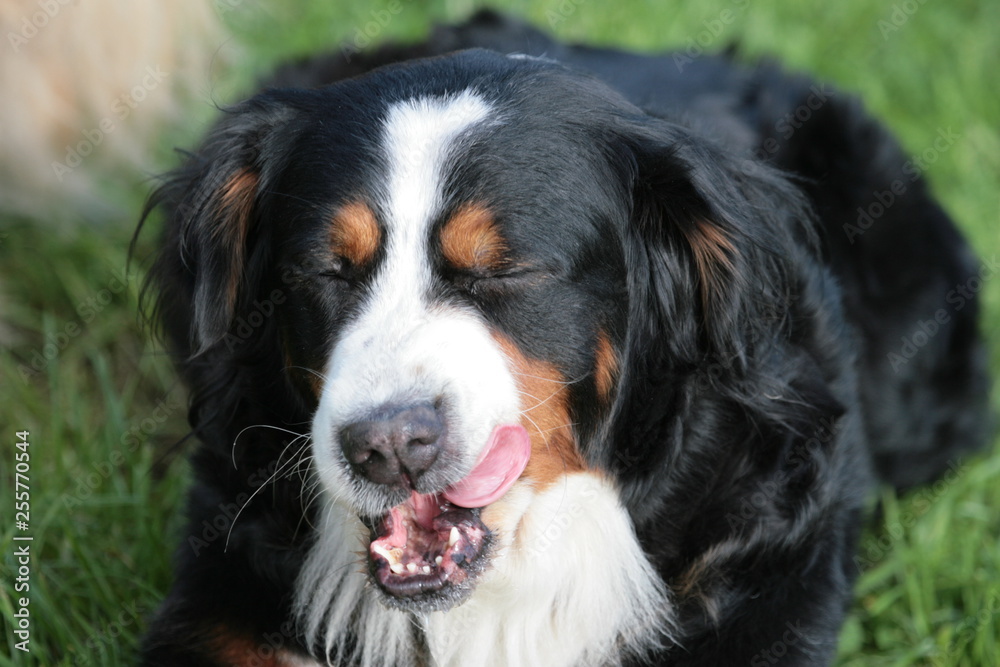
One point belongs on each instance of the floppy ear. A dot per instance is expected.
(735, 332)
(211, 232)
(718, 236)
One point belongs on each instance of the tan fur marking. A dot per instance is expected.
(545, 415)
(355, 234)
(235, 650)
(234, 221)
(470, 239)
(309, 380)
(237, 197)
(713, 256)
(315, 383)
(605, 366)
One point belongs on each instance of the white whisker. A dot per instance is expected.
(276, 428)
(270, 478)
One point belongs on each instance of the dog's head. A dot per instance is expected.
(476, 275)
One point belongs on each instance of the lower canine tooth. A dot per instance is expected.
(388, 554)
(453, 537)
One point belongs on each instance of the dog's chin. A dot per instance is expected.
(426, 553)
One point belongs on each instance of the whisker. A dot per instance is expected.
(300, 467)
(271, 478)
(556, 428)
(276, 428)
(538, 429)
(282, 466)
(540, 402)
(559, 382)
(309, 370)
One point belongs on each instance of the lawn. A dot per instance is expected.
(105, 414)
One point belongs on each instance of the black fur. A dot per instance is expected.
(757, 396)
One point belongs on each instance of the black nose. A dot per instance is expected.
(397, 446)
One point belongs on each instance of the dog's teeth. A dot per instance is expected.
(411, 567)
(397, 568)
(391, 555)
(438, 560)
(453, 537)
(427, 569)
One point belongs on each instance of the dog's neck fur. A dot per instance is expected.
(568, 585)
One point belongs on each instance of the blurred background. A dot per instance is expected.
(97, 97)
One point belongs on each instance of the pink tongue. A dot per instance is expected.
(499, 466)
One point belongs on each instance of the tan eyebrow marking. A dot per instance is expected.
(355, 234)
(470, 239)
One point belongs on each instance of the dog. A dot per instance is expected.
(508, 352)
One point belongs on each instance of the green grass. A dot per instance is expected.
(107, 480)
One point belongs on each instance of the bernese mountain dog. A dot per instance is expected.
(507, 352)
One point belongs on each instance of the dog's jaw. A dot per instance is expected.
(558, 554)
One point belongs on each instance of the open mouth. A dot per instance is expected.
(425, 545)
(432, 544)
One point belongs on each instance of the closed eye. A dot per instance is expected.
(338, 269)
(514, 278)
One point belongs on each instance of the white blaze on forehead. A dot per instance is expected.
(418, 137)
(403, 348)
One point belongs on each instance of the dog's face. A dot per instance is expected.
(463, 270)
(464, 326)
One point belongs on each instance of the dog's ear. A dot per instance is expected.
(212, 206)
(716, 235)
(733, 325)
